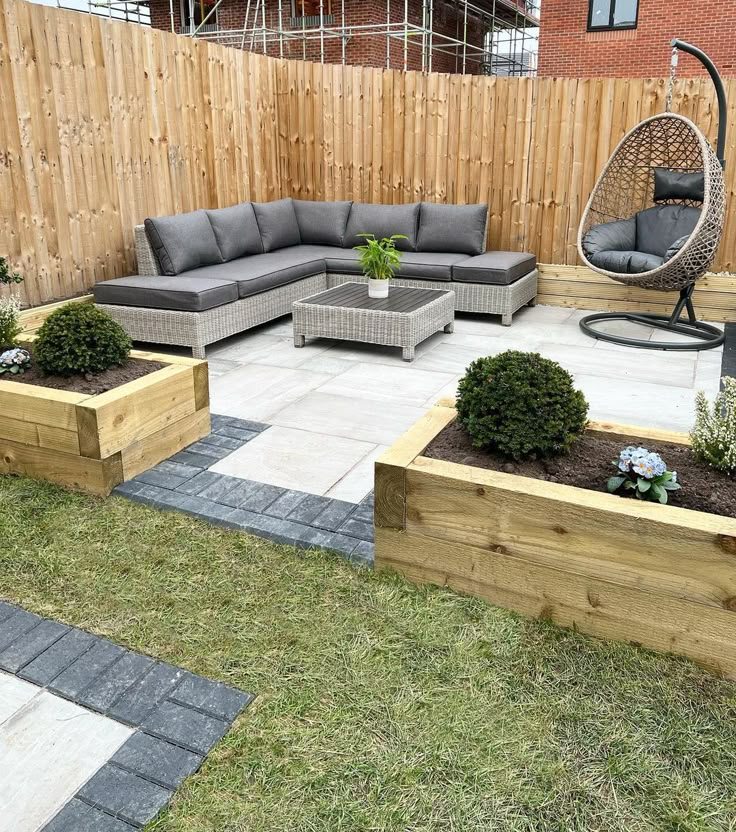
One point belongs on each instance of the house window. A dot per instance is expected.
(612, 14)
(193, 12)
(310, 8)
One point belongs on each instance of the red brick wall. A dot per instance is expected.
(566, 48)
(365, 50)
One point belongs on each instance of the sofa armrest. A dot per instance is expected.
(147, 263)
(619, 235)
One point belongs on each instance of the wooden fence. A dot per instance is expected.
(105, 123)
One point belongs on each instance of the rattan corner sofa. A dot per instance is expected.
(206, 275)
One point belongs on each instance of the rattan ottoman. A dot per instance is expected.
(403, 319)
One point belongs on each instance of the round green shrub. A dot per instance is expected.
(520, 405)
(79, 339)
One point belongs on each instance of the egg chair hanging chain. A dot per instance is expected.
(671, 81)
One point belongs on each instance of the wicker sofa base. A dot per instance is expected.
(198, 329)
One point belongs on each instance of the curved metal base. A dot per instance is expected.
(704, 336)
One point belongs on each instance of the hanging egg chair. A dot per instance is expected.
(655, 220)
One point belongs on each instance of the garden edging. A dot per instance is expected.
(93, 443)
(660, 576)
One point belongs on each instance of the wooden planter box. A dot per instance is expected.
(93, 443)
(659, 576)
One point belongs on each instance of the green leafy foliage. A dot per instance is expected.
(6, 276)
(79, 339)
(379, 259)
(9, 322)
(713, 436)
(643, 474)
(521, 405)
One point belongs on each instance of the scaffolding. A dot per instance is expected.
(507, 44)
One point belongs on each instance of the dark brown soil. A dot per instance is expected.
(90, 384)
(588, 465)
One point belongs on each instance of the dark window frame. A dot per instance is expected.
(611, 27)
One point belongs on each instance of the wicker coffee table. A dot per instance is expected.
(403, 319)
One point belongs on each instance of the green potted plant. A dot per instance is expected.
(379, 260)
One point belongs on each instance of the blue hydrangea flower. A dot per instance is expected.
(641, 462)
(15, 357)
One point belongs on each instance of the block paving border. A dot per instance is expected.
(185, 483)
(178, 716)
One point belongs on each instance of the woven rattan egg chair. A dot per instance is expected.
(655, 221)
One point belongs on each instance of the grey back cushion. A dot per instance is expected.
(675, 184)
(657, 228)
(383, 221)
(452, 228)
(183, 242)
(236, 231)
(322, 223)
(277, 224)
(619, 235)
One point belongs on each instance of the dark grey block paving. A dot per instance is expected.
(113, 682)
(334, 515)
(220, 488)
(84, 670)
(364, 512)
(220, 441)
(208, 450)
(358, 528)
(240, 493)
(242, 436)
(244, 424)
(28, 646)
(157, 760)
(213, 698)
(309, 508)
(144, 695)
(77, 816)
(199, 461)
(363, 554)
(161, 479)
(186, 727)
(199, 482)
(285, 504)
(16, 625)
(125, 795)
(262, 498)
(6, 610)
(46, 667)
(177, 469)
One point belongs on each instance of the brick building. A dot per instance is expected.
(631, 37)
(483, 36)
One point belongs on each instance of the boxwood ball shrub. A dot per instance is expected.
(521, 405)
(79, 339)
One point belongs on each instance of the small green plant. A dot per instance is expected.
(79, 339)
(14, 362)
(644, 474)
(6, 276)
(521, 405)
(9, 322)
(713, 435)
(379, 259)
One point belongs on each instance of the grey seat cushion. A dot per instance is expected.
(322, 223)
(657, 228)
(423, 265)
(183, 242)
(277, 224)
(261, 272)
(456, 228)
(625, 262)
(498, 267)
(383, 221)
(236, 231)
(619, 235)
(183, 293)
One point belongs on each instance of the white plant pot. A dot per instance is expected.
(377, 288)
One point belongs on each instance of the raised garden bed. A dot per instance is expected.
(93, 442)
(660, 576)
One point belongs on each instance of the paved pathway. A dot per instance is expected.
(93, 737)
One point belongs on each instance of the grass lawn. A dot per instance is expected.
(380, 706)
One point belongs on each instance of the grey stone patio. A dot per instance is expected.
(297, 431)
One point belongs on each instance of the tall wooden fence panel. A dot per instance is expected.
(105, 123)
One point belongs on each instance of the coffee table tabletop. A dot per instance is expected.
(403, 319)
